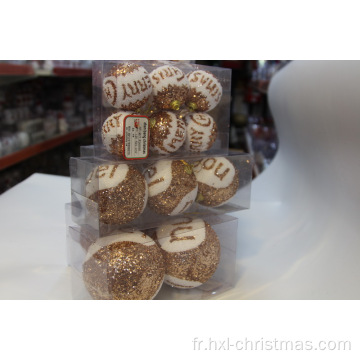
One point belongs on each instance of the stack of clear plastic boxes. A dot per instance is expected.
(150, 199)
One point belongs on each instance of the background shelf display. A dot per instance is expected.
(45, 110)
(12, 73)
(32, 150)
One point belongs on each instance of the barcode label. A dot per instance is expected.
(136, 137)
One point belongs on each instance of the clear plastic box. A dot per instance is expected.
(185, 108)
(129, 194)
(210, 261)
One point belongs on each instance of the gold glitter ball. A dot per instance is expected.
(125, 266)
(112, 133)
(198, 102)
(201, 132)
(170, 87)
(118, 193)
(218, 181)
(167, 132)
(205, 91)
(172, 188)
(191, 250)
(127, 86)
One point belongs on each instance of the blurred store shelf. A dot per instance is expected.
(23, 154)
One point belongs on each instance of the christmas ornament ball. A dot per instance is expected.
(201, 132)
(191, 250)
(125, 266)
(170, 87)
(127, 86)
(205, 91)
(167, 132)
(118, 192)
(172, 186)
(218, 181)
(112, 133)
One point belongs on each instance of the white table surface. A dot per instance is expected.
(33, 239)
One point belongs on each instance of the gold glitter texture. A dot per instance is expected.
(124, 270)
(122, 69)
(123, 203)
(211, 196)
(212, 137)
(172, 97)
(160, 125)
(182, 183)
(117, 146)
(112, 122)
(197, 101)
(197, 264)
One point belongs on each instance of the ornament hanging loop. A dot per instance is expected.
(192, 106)
(175, 105)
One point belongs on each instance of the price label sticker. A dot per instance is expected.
(136, 137)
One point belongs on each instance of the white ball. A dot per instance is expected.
(191, 250)
(127, 86)
(167, 132)
(218, 181)
(170, 87)
(201, 132)
(125, 266)
(112, 132)
(172, 187)
(205, 90)
(119, 193)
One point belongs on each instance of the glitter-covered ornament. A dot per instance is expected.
(172, 186)
(125, 266)
(119, 193)
(167, 132)
(218, 181)
(127, 86)
(201, 132)
(170, 87)
(205, 91)
(191, 250)
(112, 132)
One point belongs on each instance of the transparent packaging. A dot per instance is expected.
(147, 218)
(183, 108)
(191, 258)
(113, 195)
